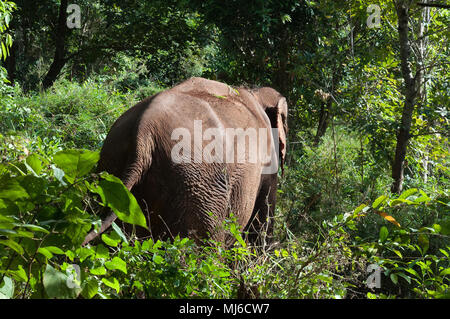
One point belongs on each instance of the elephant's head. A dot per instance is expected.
(275, 106)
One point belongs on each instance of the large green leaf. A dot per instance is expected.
(117, 197)
(112, 282)
(110, 240)
(34, 163)
(90, 289)
(11, 189)
(384, 233)
(6, 288)
(56, 284)
(76, 163)
(13, 245)
(99, 271)
(379, 200)
(20, 274)
(408, 193)
(116, 263)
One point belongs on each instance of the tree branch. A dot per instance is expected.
(434, 5)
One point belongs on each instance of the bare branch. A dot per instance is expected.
(434, 5)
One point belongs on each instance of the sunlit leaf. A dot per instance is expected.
(116, 263)
(76, 163)
(13, 245)
(383, 234)
(116, 196)
(112, 282)
(379, 200)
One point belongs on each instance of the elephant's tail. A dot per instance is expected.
(129, 182)
(134, 169)
(105, 225)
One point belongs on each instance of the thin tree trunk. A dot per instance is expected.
(410, 97)
(11, 64)
(324, 121)
(59, 59)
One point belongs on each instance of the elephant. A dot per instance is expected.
(185, 187)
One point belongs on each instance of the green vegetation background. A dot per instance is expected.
(335, 215)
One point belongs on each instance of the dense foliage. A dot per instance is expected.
(346, 212)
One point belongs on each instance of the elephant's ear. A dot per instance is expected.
(281, 125)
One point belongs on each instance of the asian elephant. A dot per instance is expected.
(174, 152)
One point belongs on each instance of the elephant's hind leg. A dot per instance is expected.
(260, 226)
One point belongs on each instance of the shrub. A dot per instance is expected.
(71, 114)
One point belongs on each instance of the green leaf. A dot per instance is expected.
(237, 234)
(157, 259)
(11, 189)
(90, 288)
(34, 163)
(34, 228)
(45, 252)
(398, 253)
(394, 278)
(7, 18)
(147, 245)
(13, 245)
(19, 274)
(397, 202)
(8, 232)
(55, 250)
(379, 200)
(5, 52)
(445, 272)
(84, 252)
(359, 208)
(424, 242)
(383, 234)
(99, 271)
(117, 197)
(59, 175)
(76, 163)
(116, 263)
(119, 232)
(101, 251)
(326, 278)
(408, 193)
(48, 251)
(112, 282)
(423, 198)
(71, 255)
(407, 278)
(412, 272)
(110, 241)
(55, 284)
(7, 288)
(24, 233)
(444, 252)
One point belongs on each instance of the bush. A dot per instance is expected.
(48, 205)
(325, 180)
(70, 114)
(418, 256)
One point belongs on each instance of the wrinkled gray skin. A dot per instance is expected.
(192, 199)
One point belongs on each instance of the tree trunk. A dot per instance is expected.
(11, 64)
(59, 59)
(324, 120)
(410, 97)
